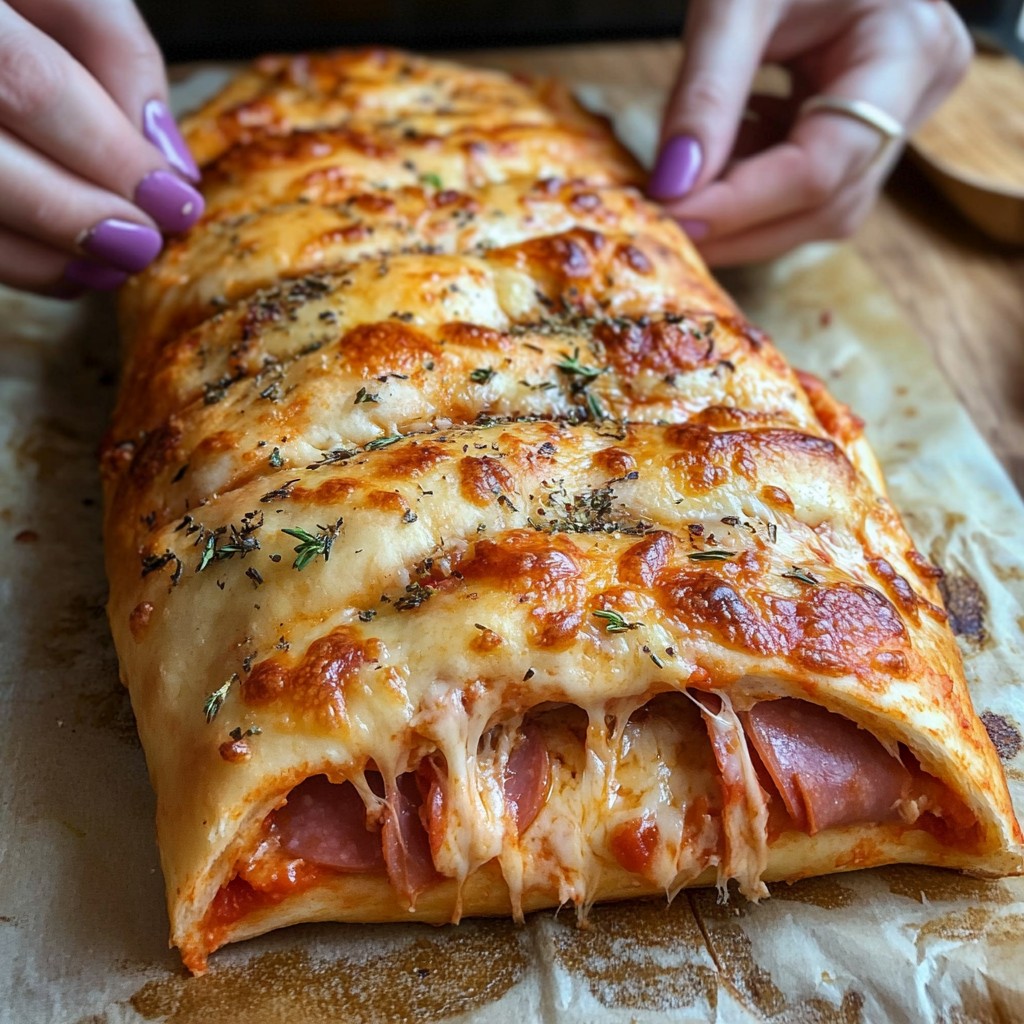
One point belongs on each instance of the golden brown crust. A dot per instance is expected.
(376, 91)
(405, 411)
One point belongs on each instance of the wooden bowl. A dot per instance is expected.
(972, 149)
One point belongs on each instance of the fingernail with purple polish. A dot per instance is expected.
(695, 229)
(172, 203)
(162, 130)
(677, 168)
(122, 244)
(79, 274)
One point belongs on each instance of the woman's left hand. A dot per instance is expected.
(748, 186)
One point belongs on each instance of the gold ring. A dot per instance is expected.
(891, 131)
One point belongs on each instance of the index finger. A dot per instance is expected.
(724, 43)
(820, 155)
(52, 103)
(113, 43)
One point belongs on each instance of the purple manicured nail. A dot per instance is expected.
(172, 203)
(676, 169)
(122, 244)
(695, 229)
(84, 274)
(161, 129)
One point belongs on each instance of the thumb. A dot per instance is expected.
(724, 42)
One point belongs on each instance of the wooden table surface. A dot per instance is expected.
(963, 293)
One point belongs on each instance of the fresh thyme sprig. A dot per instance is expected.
(311, 545)
(382, 442)
(796, 573)
(572, 365)
(215, 701)
(616, 622)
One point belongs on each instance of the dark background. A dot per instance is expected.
(198, 29)
(202, 29)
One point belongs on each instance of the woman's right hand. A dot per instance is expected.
(94, 169)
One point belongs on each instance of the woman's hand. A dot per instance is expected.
(92, 164)
(750, 180)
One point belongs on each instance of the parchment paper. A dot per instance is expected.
(82, 921)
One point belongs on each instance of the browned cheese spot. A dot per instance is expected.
(410, 459)
(658, 346)
(642, 562)
(372, 202)
(139, 619)
(833, 629)
(891, 663)
(487, 339)
(707, 458)
(235, 751)
(585, 202)
(389, 346)
(557, 630)
(537, 565)
(485, 641)
(159, 450)
(899, 590)
(328, 492)
(636, 259)
(924, 569)
(316, 683)
(481, 480)
(356, 231)
(776, 497)
(562, 258)
(385, 501)
(217, 443)
(614, 461)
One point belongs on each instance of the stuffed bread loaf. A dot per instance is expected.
(470, 553)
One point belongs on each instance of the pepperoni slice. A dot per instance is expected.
(325, 823)
(406, 844)
(827, 770)
(527, 777)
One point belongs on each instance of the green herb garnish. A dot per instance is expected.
(616, 623)
(572, 365)
(711, 555)
(215, 701)
(796, 573)
(311, 545)
(382, 442)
